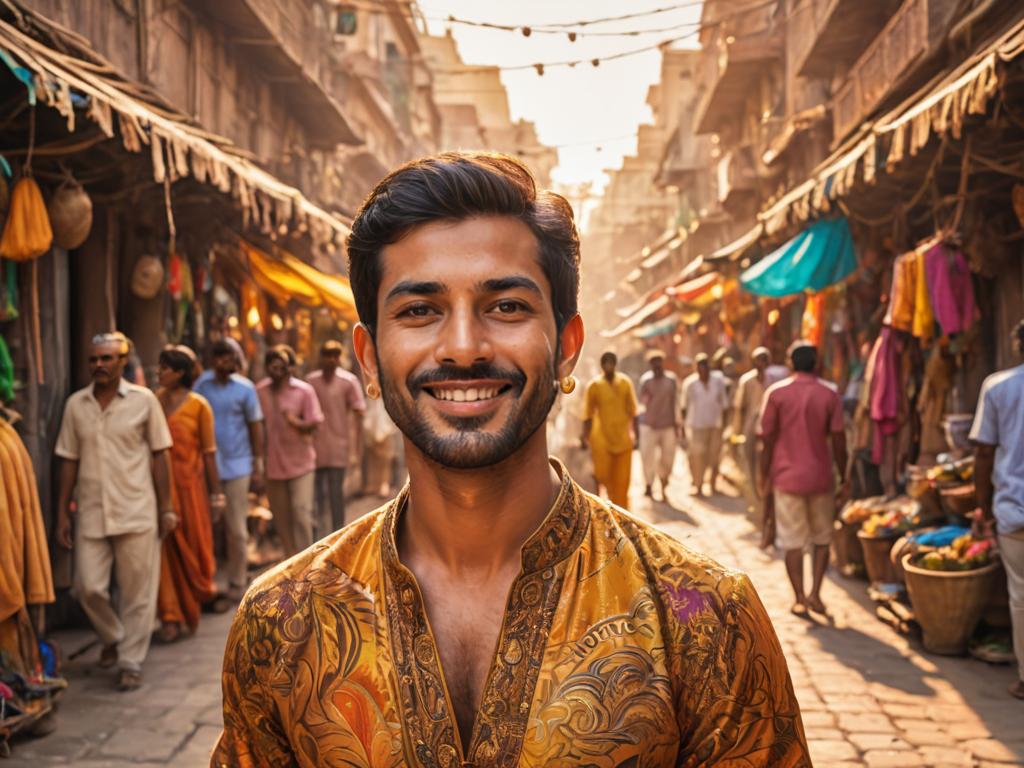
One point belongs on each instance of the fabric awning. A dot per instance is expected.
(638, 317)
(286, 278)
(937, 109)
(692, 290)
(818, 257)
(178, 147)
(739, 246)
(658, 328)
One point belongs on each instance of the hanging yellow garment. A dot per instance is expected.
(924, 317)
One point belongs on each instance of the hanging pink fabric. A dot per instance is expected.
(951, 289)
(885, 390)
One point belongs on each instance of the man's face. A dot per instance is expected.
(658, 365)
(761, 363)
(106, 363)
(704, 369)
(466, 347)
(277, 370)
(330, 359)
(225, 364)
(608, 366)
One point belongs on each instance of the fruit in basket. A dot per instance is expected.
(964, 554)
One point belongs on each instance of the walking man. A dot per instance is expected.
(610, 429)
(238, 427)
(659, 422)
(746, 408)
(705, 400)
(113, 445)
(341, 400)
(802, 436)
(493, 614)
(998, 436)
(292, 413)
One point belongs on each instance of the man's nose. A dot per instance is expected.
(464, 339)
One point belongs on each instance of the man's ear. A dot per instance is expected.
(366, 353)
(571, 345)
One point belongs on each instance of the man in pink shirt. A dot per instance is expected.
(341, 399)
(291, 413)
(801, 431)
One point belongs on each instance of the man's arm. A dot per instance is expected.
(66, 486)
(984, 489)
(168, 518)
(257, 446)
(764, 485)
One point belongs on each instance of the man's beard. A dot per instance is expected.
(469, 447)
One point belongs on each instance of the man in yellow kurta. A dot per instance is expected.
(494, 613)
(610, 429)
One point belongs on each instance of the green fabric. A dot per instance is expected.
(6, 373)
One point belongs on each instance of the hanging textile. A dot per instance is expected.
(812, 324)
(923, 326)
(900, 312)
(951, 289)
(820, 256)
(885, 389)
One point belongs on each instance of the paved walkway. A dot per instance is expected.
(869, 697)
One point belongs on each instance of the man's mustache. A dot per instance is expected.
(452, 373)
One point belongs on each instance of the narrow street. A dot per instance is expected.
(869, 697)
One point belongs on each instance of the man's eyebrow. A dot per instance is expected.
(498, 284)
(416, 288)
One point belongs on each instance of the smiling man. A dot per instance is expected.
(493, 614)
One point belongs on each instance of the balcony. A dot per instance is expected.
(916, 28)
(737, 179)
(739, 64)
(826, 36)
(295, 51)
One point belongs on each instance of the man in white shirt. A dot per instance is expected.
(705, 400)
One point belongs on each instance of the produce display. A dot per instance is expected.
(961, 471)
(881, 516)
(964, 554)
(887, 524)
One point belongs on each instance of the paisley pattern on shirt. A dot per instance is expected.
(620, 647)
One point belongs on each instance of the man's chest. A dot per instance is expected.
(120, 427)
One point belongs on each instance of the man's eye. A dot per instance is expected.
(416, 310)
(510, 307)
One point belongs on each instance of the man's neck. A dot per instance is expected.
(609, 376)
(474, 523)
(101, 391)
(277, 384)
(221, 377)
(328, 372)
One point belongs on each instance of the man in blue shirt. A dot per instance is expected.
(998, 436)
(238, 425)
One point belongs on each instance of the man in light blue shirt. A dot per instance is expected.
(238, 425)
(998, 436)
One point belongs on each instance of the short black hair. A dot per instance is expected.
(1018, 334)
(177, 360)
(804, 357)
(281, 352)
(454, 186)
(222, 347)
(610, 357)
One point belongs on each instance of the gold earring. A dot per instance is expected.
(568, 384)
(372, 391)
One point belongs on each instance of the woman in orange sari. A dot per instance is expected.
(187, 567)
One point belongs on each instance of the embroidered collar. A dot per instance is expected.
(427, 713)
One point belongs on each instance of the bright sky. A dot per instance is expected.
(591, 114)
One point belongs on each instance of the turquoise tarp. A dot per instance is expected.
(818, 257)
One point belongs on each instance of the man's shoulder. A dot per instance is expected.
(296, 383)
(79, 395)
(748, 376)
(1010, 378)
(136, 391)
(678, 573)
(339, 567)
(690, 378)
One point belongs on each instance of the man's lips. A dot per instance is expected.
(467, 397)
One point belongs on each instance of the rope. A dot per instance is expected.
(31, 139)
(172, 234)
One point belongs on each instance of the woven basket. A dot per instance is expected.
(849, 555)
(948, 604)
(876, 558)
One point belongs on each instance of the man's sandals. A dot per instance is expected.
(129, 680)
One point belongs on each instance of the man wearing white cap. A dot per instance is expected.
(659, 423)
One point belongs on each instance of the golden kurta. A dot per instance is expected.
(620, 647)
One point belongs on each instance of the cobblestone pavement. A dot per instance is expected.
(869, 696)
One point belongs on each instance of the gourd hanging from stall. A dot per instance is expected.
(27, 234)
(70, 212)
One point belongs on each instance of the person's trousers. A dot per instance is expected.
(134, 558)
(291, 503)
(657, 451)
(1011, 550)
(236, 531)
(612, 470)
(330, 500)
(703, 451)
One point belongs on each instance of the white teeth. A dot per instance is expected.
(466, 395)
